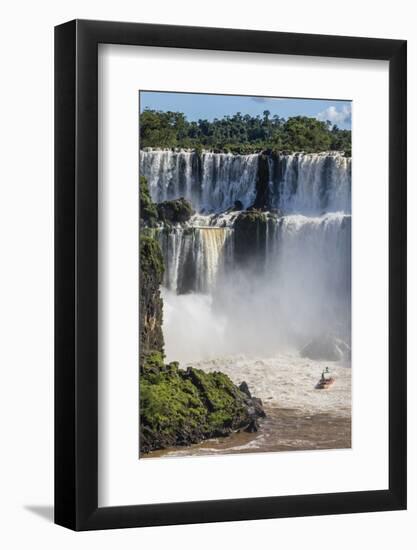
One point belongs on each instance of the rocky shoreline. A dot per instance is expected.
(183, 407)
(298, 417)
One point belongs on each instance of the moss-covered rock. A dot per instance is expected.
(148, 210)
(175, 211)
(181, 407)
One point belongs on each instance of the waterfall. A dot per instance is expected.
(311, 266)
(171, 244)
(303, 183)
(310, 183)
(212, 242)
(295, 279)
(192, 257)
(226, 179)
(212, 182)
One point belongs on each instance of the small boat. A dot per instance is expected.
(325, 381)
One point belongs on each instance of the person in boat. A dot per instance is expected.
(325, 375)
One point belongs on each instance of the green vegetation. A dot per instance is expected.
(179, 407)
(151, 260)
(150, 301)
(148, 209)
(175, 211)
(242, 134)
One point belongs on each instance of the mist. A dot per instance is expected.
(291, 284)
(298, 291)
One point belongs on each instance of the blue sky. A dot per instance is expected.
(207, 106)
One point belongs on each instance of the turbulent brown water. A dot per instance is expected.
(281, 430)
(299, 417)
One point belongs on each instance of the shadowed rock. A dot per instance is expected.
(327, 348)
(175, 211)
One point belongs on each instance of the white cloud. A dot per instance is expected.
(341, 117)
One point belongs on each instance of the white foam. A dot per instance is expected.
(288, 381)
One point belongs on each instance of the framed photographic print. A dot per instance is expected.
(230, 275)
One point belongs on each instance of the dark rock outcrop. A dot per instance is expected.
(262, 199)
(250, 236)
(245, 389)
(175, 211)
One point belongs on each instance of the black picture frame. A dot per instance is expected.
(76, 272)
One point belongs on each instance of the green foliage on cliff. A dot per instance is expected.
(148, 209)
(175, 211)
(153, 361)
(172, 211)
(242, 134)
(179, 407)
(151, 260)
(150, 301)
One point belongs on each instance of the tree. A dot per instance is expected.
(242, 134)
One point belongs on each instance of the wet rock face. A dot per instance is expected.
(180, 407)
(262, 200)
(327, 348)
(250, 235)
(150, 277)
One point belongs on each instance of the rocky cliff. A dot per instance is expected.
(150, 301)
(178, 407)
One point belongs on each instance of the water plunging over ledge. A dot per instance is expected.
(249, 315)
(309, 183)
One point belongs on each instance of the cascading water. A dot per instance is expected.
(310, 262)
(310, 183)
(303, 183)
(212, 240)
(310, 191)
(192, 257)
(212, 182)
(296, 283)
(245, 290)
